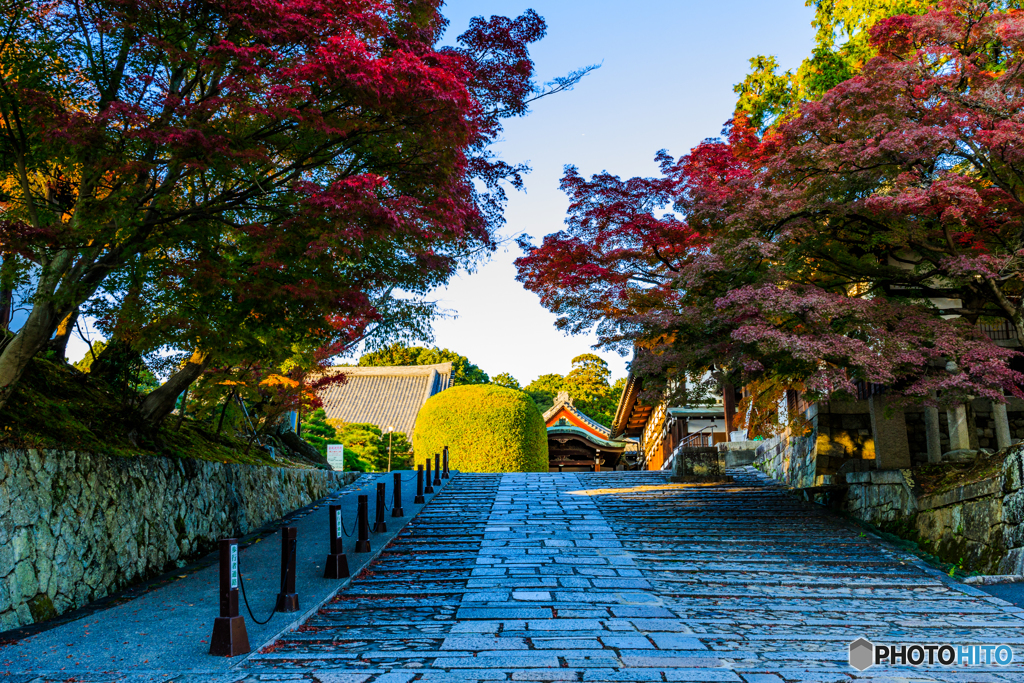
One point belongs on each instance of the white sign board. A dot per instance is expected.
(336, 456)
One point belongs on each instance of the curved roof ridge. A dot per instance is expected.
(393, 370)
(563, 401)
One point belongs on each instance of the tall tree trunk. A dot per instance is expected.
(159, 403)
(30, 340)
(7, 271)
(181, 413)
(59, 343)
(50, 305)
(111, 363)
(6, 308)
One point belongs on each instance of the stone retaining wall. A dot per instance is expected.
(881, 496)
(965, 525)
(75, 527)
(978, 526)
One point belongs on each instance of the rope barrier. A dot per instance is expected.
(241, 582)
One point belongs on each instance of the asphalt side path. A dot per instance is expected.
(164, 633)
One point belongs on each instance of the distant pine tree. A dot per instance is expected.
(317, 432)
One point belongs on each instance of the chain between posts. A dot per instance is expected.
(241, 582)
(348, 534)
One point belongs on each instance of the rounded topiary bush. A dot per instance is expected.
(487, 428)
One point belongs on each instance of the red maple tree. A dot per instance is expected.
(867, 237)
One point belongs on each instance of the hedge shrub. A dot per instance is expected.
(487, 428)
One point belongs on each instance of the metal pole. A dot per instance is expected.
(389, 450)
(419, 500)
(363, 543)
(288, 599)
(396, 511)
(437, 469)
(445, 474)
(336, 566)
(428, 487)
(379, 525)
(229, 636)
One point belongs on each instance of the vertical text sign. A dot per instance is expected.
(234, 565)
(337, 524)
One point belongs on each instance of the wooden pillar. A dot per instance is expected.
(933, 434)
(892, 450)
(729, 404)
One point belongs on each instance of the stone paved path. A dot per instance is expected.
(626, 577)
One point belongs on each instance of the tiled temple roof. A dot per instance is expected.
(388, 396)
(563, 401)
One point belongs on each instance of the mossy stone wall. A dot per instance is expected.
(75, 527)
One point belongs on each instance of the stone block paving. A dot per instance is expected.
(628, 577)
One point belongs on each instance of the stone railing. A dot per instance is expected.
(75, 527)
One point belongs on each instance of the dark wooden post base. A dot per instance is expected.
(230, 638)
(336, 567)
(287, 602)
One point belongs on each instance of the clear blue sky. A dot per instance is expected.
(669, 67)
(666, 82)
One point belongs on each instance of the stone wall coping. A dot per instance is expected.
(887, 477)
(979, 489)
(739, 445)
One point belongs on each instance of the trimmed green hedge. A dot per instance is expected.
(487, 428)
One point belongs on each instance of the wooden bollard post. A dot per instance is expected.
(288, 599)
(379, 525)
(427, 486)
(397, 511)
(337, 563)
(419, 499)
(229, 635)
(363, 542)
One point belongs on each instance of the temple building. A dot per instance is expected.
(389, 397)
(577, 443)
(662, 428)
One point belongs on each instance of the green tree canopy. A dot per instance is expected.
(366, 446)
(587, 386)
(504, 379)
(369, 444)
(317, 432)
(588, 378)
(842, 47)
(544, 389)
(463, 371)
